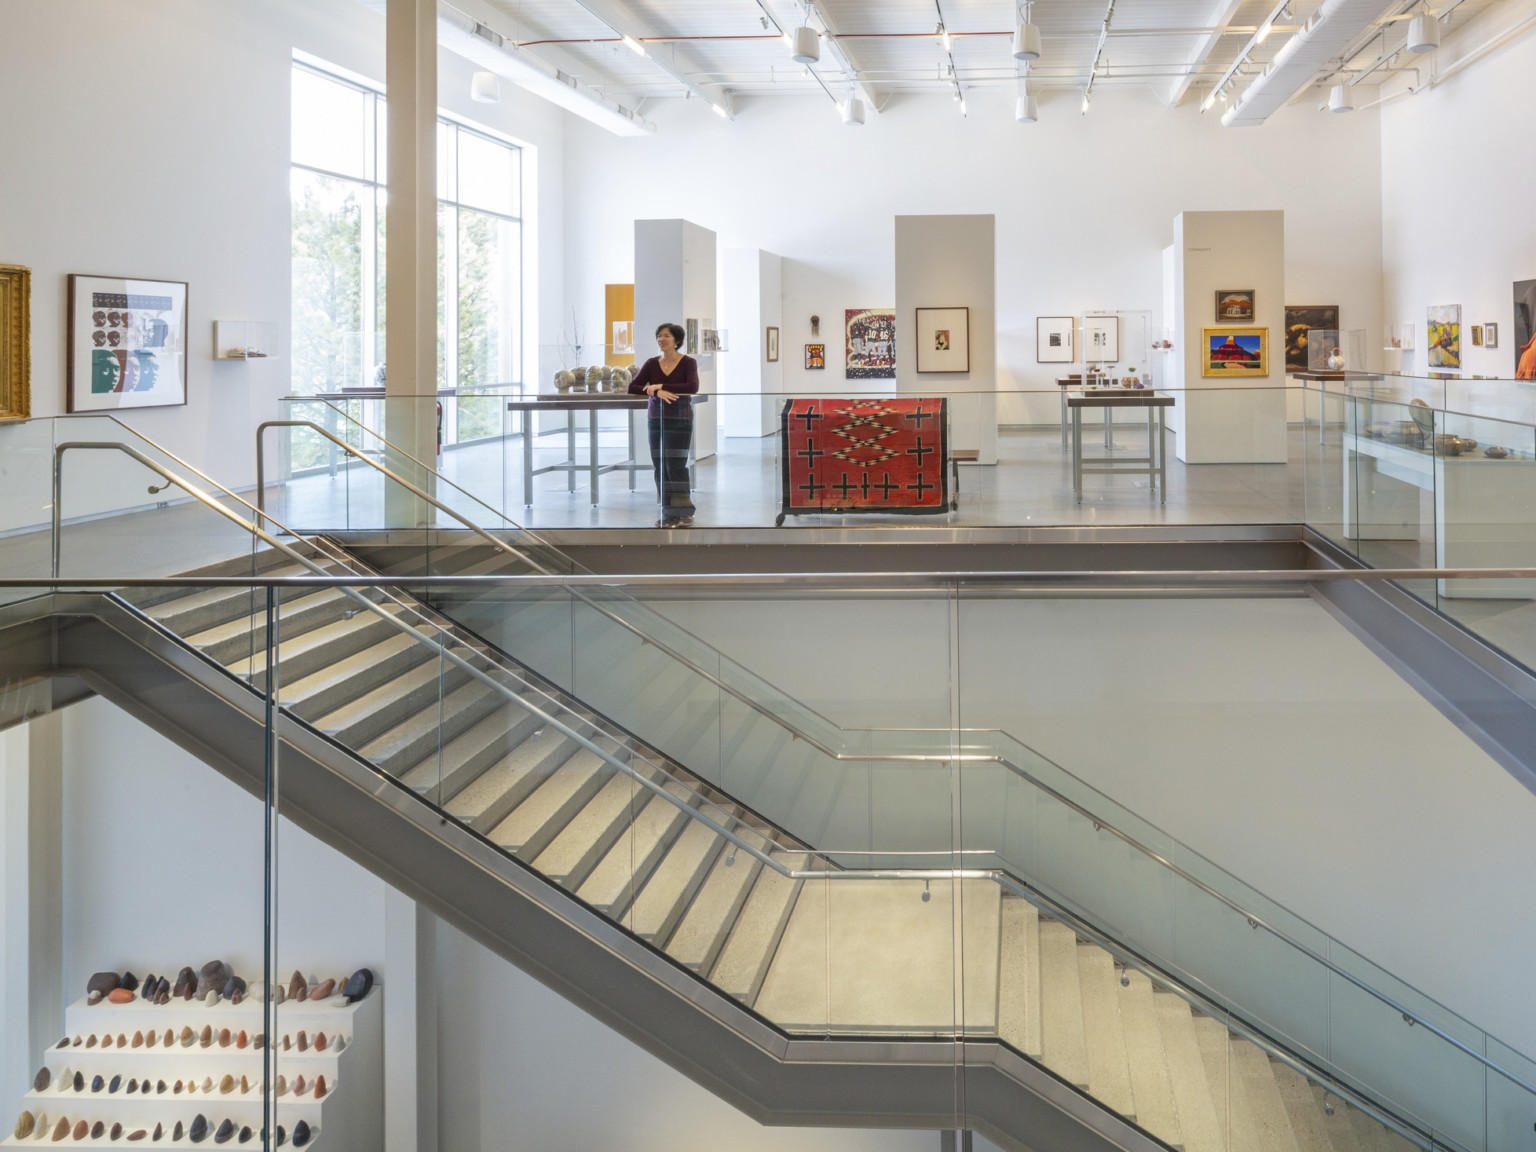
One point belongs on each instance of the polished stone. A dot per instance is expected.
(24, 1125)
(61, 1129)
(224, 1037)
(245, 1134)
(186, 981)
(116, 1133)
(198, 1132)
(301, 1134)
(212, 977)
(323, 989)
(117, 1082)
(188, 1037)
(358, 985)
(120, 996)
(103, 982)
(205, 1037)
(177, 1132)
(98, 1129)
(138, 1134)
(225, 1133)
(43, 1078)
(98, 1082)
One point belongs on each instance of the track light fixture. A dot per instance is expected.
(805, 45)
(485, 88)
(1026, 110)
(1026, 41)
(852, 111)
(1085, 102)
(1423, 34)
(944, 37)
(1340, 99)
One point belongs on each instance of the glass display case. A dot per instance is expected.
(1116, 348)
(1336, 350)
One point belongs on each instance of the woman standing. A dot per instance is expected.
(669, 379)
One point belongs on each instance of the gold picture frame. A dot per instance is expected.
(15, 342)
(1234, 353)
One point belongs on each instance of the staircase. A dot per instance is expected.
(816, 950)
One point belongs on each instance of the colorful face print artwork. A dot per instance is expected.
(127, 343)
(871, 344)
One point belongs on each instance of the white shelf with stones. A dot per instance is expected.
(120, 1083)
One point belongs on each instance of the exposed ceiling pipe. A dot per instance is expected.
(1331, 30)
(484, 47)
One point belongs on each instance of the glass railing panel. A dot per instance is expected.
(1390, 484)
(1511, 1099)
(26, 507)
(1327, 412)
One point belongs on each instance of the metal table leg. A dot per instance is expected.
(592, 450)
(1162, 459)
(1062, 392)
(527, 459)
(1109, 428)
(1077, 453)
(629, 423)
(1151, 447)
(570, 451)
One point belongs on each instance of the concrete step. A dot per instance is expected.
(1018, 1009)
(244, 636)
(331, 687)
(578, 847)
(191, 611)
(1270, 1115)
(1228, 1087)
(1337, 1127)
(1109, 1073)
(666, 895)
(311, 651)
(533, 825)
(485, 801)
(619, 875)
(1201, 1123)
(375, 711)
(1370, 1134)
(265, 562)
(707, 923)
(742, 964)
(419, 735)
(1063, 1048)
(471, 752)
(1303, 1111)
(1150, 1083)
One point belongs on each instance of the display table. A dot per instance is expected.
(875, 455)
(1074, 383)
(1153, 464)
(592, 403)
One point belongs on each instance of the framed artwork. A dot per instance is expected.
(691, 327)
(1234, 306)
(1235, 352)
(772, 345)
(1053, 340)
(815, 356)
(1301, 319)
(1445, 335)
(1477, 335)
(623, 338)
(1490, 335)
(943, 339)
(1101, 339)
(869, 344)
(127, 343)
(1525, 330)
(15, 342)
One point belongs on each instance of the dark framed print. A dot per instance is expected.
(815, 356)
(1053, 340)
(943, 339)
(15, 342)
(127, 343)
(772, 345)
(1299, 320)
(1234, 306)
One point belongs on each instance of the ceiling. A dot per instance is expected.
(879, 50)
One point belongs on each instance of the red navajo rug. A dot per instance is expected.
(865, 456)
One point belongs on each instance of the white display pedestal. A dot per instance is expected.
(349, 1118)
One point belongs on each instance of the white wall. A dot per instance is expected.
(1084, 205)
(751, 302)
(1456, 207)
(154, 142)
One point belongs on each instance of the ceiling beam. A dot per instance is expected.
(1222, 14)
(626, 23)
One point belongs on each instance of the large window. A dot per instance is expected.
(338, 252)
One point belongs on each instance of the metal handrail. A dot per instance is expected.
(349, 588)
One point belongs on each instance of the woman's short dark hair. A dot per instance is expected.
(678, 335)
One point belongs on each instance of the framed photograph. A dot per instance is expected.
(1477, 335)
(15, 342)
(1101, 339)
(943, 339)
(1445, 335)
(1053, 340)
(1235, 352)
(869, 351)
(772, 345)
(1301, 319)
(1525, 330)
(1490, 335)
(127, 343)
(1234, 306)
(623, 338)
(691, 327)
(815, 356)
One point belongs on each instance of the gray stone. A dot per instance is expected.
(185, 979)
(177, 1132)
(301, 1134)
(42, 1079)
(225, 1132)
(298, 987)
(213, 976)
(232, 986)
(129, 981)
(96, 1129)
(103, 982)
(245, 1134)
(79, 1082)
(199, 1130)
(117, 1082)
(358, 985)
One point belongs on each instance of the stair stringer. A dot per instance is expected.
(505, 906)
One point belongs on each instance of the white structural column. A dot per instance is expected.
(410, 268)
(751, 302)
(1228, 421)
(675, 283)
(410, 1026)
(951, 262)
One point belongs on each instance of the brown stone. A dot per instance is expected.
(259, 1041)
(106, 1039)
(137, 1134)
(103, 982)
(245, 1085)
(319, 1086)
(150, 1038)
(91, 1040)
(205, 1037)
(299, 1085)
(138, 1040)
(24, 1125)
(121, 996)
(188, 1037)
(95, 998)
(159, 1132)
(323, 989)
(43, 1078)
(298, 987)
(303, 1040)
(122, 1039)
(116, 1133)
(224, 1037)
(287, 1041)
(82, 1128)
(242, 1040)
(226, 1085)
(282, 1085)
(169, 1039)
(320, 1041)
(177, 1090)
(61, 1129)
(78, 1040)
